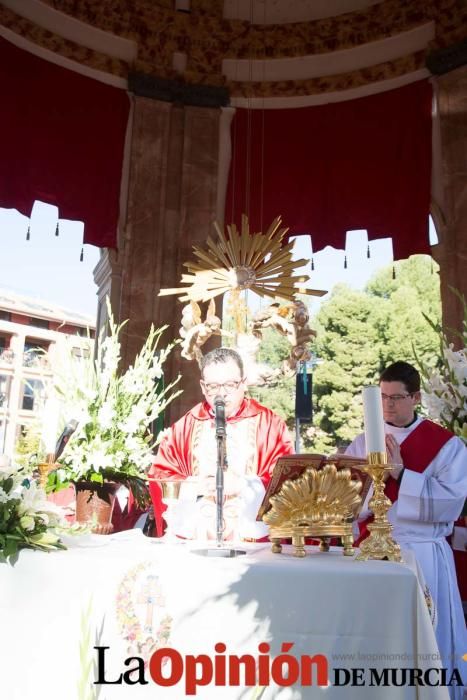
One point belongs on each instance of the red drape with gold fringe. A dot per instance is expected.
(62, 140)
(361, 164)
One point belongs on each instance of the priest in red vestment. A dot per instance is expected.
(256, 438)
(427, 491)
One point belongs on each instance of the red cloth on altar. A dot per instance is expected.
(127, 518)
(174, 458)
(66, 498)
(460, 561)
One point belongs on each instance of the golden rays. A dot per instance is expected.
(238, 261)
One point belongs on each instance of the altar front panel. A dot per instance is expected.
(135, 592)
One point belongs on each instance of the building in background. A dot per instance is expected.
(31, 332)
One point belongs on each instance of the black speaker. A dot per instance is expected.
(303, 393)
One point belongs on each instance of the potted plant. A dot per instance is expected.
(113, 443)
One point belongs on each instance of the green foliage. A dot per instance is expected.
(27, 448)
(406, 300)
(26, 518)
(280, 398)
(347, 345)
(445, 384)
(360, 333)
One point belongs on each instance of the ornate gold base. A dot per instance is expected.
(380, 543)
(321, 532)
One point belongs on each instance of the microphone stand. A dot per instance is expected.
(221, 439)
(221, 466)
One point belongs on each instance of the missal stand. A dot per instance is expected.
(311, 495)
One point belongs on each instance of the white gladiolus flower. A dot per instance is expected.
(445, 388)
(4, 497)
(106, 416)
(33, 499)
(6, 468)
(114, 409)
(27, 523)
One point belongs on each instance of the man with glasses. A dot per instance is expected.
(256, 438)
(428, 490)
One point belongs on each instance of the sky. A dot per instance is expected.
(48, 267)
(329, 263)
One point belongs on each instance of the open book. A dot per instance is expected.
(293, 466)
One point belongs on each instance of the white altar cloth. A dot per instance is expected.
(132, 591)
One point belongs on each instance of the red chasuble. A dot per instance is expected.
(175, 456)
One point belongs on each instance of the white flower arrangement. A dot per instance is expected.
(27, 519)
(113, 441)
(445, 385)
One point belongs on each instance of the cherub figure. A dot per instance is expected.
(290, 320)
(195, 332)
(274, 316)
(303, 335)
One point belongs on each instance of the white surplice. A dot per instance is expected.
(422, 517)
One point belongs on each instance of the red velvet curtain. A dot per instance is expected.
(62, 141)
(361, 164)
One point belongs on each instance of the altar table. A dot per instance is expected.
(128, 592)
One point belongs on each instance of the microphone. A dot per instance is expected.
(219, 412)
(68, 431)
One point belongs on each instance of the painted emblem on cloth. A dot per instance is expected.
(142, 617)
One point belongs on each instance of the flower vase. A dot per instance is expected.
(95, 504)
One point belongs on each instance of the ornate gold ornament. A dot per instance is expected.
(380, 543)
(321, 503)
(195, 332)
(238, 261)
(234, 263)
(291, 321)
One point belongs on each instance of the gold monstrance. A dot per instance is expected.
(237, 262)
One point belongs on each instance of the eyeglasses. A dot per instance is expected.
(395, 397)
(228, 387)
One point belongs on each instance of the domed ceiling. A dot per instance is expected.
(266, 53)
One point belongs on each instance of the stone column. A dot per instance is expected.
(108, 278)
(171, 206)
(451, 217)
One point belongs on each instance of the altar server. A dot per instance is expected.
(428, 491)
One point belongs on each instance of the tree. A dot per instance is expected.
(347, 345)
(413, 293)
(281, 397)
(359, 333)
(27, 448)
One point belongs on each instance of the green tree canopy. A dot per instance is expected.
(281, 397)
(359, 333)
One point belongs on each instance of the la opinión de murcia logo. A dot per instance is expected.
(167, 667)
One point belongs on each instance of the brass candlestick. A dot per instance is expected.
(45, 468)
(380, 543)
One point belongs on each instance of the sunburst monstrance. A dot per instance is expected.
(239, 261)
